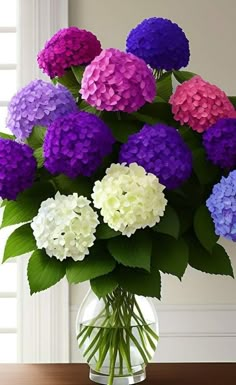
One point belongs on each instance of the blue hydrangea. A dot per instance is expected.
(160, 43)
(222, 206)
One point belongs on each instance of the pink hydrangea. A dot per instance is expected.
(118, 81)
(200, 104)
(68, 47)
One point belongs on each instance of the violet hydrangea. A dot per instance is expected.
(76, 144)
(118, 81)
(38, 104)
(220, 143)
(17, 168)
(160, 43)
(222, 206)
(162, 152)
(68, 47)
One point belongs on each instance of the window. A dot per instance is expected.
(8, 271)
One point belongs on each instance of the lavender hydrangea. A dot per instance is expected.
(38, 104)
(160, 43)
(222, 206)
(162, 152)
(76, 144)
(17, 168)
(220, 143)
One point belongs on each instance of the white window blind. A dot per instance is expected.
(8, 271)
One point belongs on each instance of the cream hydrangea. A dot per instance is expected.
(129, 198)
(65, 226)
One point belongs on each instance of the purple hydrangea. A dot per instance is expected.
(118, 81)
(38, 104)
(160, 43)
(17, 168)
(68, 47)
(222, 206)
(76, 144)
(220, 143)
(162, 152)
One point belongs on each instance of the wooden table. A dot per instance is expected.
(157, 374)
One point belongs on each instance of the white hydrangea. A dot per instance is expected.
(65, 226)
(129, 198)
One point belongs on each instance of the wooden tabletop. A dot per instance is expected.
(157, 374)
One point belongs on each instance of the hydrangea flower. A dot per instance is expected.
(160, 43)
(68, 47)
(129, 198)
(220, 143)
(38, 104)
(76, 144)
(161, 151)
(118, 81)
(17, 168)
(65, 226)
(222, 206)
(200, 104)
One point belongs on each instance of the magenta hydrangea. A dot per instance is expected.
(38, 104)
(220, 143)
(118, 81)
(17, 168)
(76, 144)
(200, 104)
(161, 151)
(68, 47)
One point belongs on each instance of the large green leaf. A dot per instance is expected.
(93, 266)
(140, 282)
(233, 100)
(182, 76)
(105, 232)
(69, 81)
(204, 228)
(216, 262)
(27, 204)
(78, 73)
(122, 129)
(21, 241)
(43, 271)
(164, 86)
(203, 168)
(104, 285)
(170, 255)
(169, 223)
(84, 106)
(134, 251)
(6, 136)
(81, 185)
(192, 138)
(38, 154)
(36, 138)
(158, 112)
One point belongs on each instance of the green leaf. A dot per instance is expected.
(104, 285)
(38, 154)
(36, 138)
(6, 136)
(158, 112)
(84, 106)
(69, 81)
(21, 241)
(78, 73)
(122, 129)
(105, 232)
(27, 204)
(93, 266)
(81, 185)
(140, 282)
(182, 76)
(216, 262)
(233, 100)
(170, 255)
(192, 138)
(164, 86)
(134, 251)
(204, 228)
(145, 118)
(206, 172)
(43, 271)
(169, 223)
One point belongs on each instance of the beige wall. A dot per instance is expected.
(210, 27)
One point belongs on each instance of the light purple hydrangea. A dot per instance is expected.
(17, 168)
(76, 144)
(38, 104)
(222, 206)
(118, 81)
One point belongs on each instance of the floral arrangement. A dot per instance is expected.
(113, 176)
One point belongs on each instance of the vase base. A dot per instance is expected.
(100, 378)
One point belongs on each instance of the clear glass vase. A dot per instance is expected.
(117, 336)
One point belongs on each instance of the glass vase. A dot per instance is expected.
(117, 336)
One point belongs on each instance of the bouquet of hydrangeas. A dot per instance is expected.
(112, 176)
